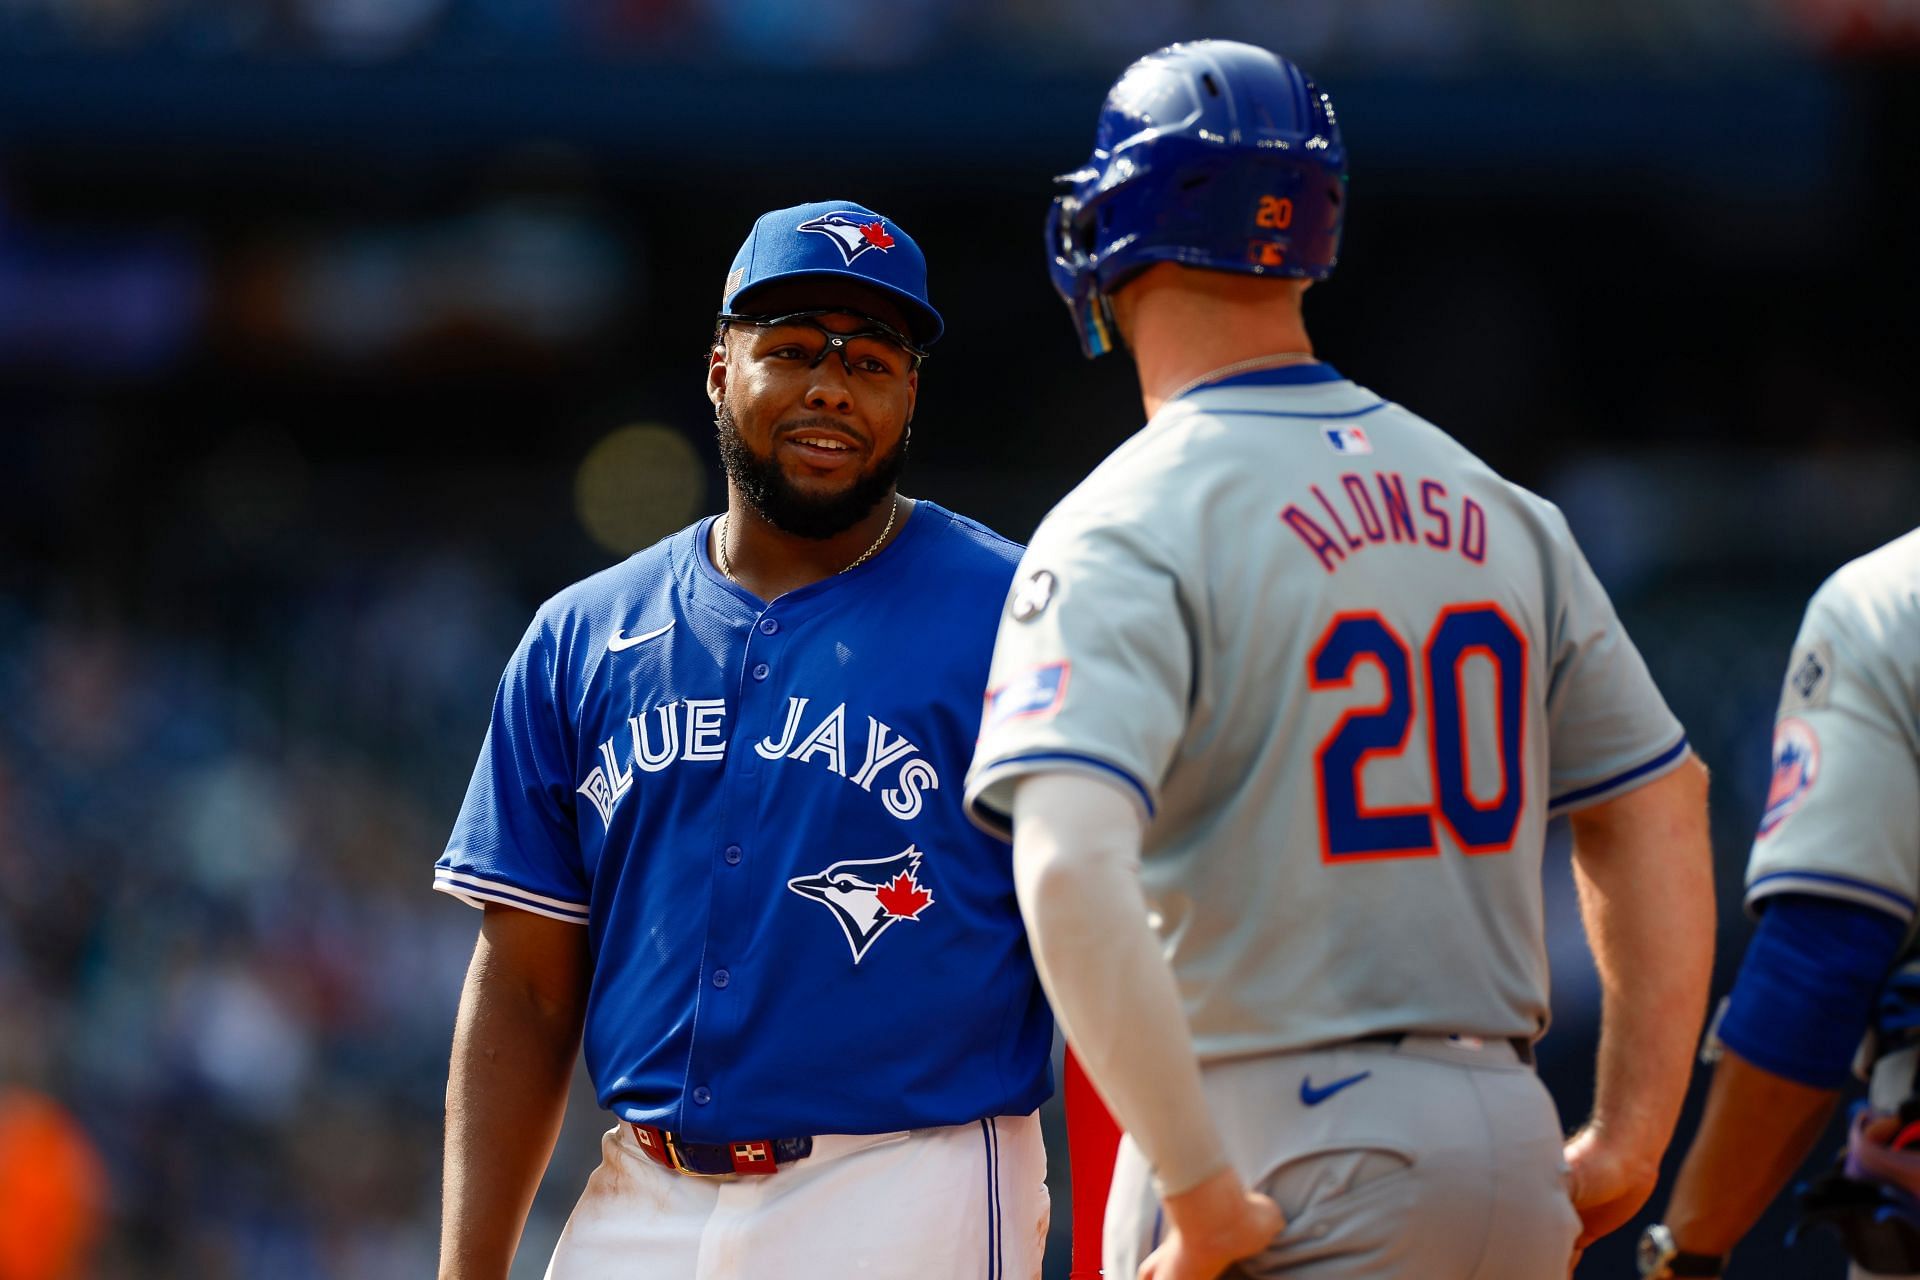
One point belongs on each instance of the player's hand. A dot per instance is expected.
(1211, 1227)
(1606, 1183)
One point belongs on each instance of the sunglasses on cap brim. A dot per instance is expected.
(835, 338)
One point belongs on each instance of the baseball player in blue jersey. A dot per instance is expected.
(715, 830)
(1283, 698)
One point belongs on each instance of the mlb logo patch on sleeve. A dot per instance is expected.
(1037, 693)
(1347, 440)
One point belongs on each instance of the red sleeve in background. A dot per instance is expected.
(1093, 1140)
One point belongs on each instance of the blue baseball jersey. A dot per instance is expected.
(754, 810)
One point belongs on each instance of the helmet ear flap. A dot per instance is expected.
(1104, 331)
(1071, 241)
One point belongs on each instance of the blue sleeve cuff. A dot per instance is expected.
(1806, 990)
(992, 812)
(1607, 788)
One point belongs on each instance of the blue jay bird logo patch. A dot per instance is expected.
(868, 896)
(853, 236)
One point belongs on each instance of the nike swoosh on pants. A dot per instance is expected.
(1312, 1097)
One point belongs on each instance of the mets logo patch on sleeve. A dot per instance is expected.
(1796, 766)
(1036, 694)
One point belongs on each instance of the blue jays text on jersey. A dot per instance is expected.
(657, 743)
(753, 809)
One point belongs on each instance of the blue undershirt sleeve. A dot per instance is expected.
(1806, 990)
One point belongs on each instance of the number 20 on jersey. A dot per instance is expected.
(1351, 831)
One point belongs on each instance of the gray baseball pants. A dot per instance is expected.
(1439, 1158)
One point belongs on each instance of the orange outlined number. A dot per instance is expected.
(1353, 831)
(1276, 213)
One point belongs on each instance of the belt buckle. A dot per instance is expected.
(680, 1161)
(663, 1147)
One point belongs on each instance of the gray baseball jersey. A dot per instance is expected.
(1843, 809)
(1348, 672)
(1842, 818)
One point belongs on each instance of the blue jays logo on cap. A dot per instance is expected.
(852, 235)
(868, 248)
(868, 896)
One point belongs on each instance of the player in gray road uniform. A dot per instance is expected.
(1282, 700)
(1834, 878)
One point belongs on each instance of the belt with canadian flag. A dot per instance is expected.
(718, 1159)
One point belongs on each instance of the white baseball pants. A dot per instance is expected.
(967, 1202)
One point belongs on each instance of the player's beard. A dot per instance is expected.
(765, 486)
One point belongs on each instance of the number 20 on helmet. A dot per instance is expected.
(1212, 154)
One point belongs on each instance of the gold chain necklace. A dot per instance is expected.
(726, 561)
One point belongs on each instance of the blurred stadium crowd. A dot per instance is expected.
(291, 445)
(214, 938)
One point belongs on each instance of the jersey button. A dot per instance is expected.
(769, 625)
(721, 977)
(732, 855)
(761, 671)
(702, 1096)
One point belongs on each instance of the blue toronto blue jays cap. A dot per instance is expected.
(836, 238)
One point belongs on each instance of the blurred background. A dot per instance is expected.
(337, 334)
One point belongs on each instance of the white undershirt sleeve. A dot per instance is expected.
(1076, 864)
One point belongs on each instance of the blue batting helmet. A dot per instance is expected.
(1212, 154)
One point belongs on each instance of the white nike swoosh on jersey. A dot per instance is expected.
(622, 641)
